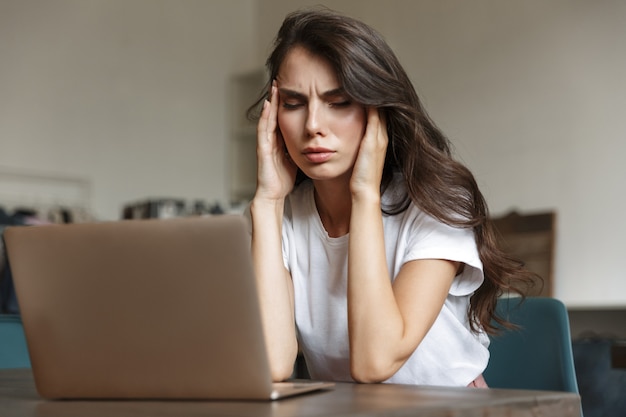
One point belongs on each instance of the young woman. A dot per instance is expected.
(371, 244)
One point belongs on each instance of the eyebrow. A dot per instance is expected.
(297, 95)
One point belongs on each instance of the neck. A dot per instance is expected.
(334, 205)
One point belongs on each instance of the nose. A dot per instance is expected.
(315, 120)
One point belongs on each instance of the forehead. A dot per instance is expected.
(301, 68)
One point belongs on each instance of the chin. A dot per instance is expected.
(325, 174)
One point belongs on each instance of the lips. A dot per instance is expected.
(317, 155)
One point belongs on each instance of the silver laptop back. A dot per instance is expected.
(141, 309)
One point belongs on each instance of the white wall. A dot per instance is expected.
(533, 95)
(132, 95)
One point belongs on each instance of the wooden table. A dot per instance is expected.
(18, 398)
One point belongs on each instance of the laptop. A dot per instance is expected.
(144, 309)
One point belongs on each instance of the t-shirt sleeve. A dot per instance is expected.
(429, 238)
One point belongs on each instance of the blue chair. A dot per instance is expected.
(537, 355)
(13, 349)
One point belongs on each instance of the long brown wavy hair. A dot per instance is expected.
(371, 75)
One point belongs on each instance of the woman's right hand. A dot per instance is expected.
(276, 172)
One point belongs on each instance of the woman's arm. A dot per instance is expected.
(386, 322)
(275, 288)
(275, 179)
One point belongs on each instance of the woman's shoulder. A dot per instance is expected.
(397, 201)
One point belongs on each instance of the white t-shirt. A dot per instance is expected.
(449, 355)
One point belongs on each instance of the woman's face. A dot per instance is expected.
(321, 127)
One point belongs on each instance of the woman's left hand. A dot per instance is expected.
(368, 168)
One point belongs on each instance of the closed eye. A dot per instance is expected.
(291, 100)
(341, 104)
(291, 106)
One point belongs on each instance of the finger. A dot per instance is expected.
(373, 114)
(383, 121)
(267, 121)
(375, 133)
(273, 110)
(377, 117)
(262, 124)
(373, 121)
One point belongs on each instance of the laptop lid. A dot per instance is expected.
(141, 309)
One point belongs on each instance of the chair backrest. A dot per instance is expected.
(13, 349)
(538, 355)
